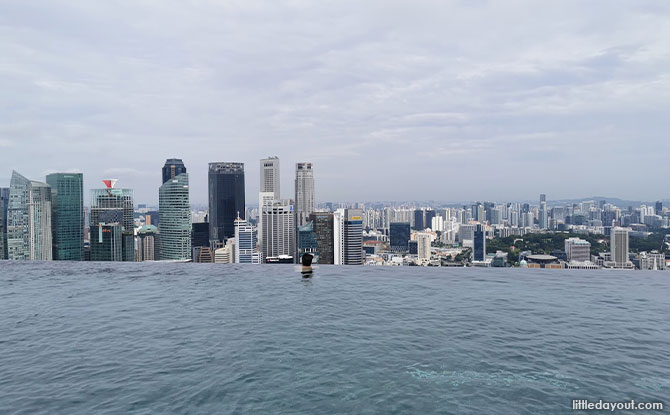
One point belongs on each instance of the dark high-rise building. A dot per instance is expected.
(4, 204)
(479, 251)
(543, 197)
(200, 234)
(172, 169)
(399, 234)
(659, 208)
(413, 247)
(226, 199)
(428, 219)
(67, 218)
(418, 220)
(110, 207)
(323, 229)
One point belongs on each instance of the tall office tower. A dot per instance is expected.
(428, 216)
(348, 237)
(304, 192)
(418, 219)
(543, 197)
(172, 169)
(323, 228)
(67, 219)
(29, 220)
(619, 247)
(270, 176)
(226, 199)
(112, 208)
(423, 246)
(4, 203)
(479, 250)
(543, 217)
(399, 236)
(263, 198)
(278, 229)
(577, 250)
(245, 243)
(659, 208)
(146, 246)
(175, 219)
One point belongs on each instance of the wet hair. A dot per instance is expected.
(307, 260)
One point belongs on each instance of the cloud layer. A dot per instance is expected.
(390, 99)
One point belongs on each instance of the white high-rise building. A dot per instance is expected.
(278, 229)
(304, 192)
(263, 198)
(245, 243)
(437, 224)
(619, 248)
(348, 237)
(270, 176)
(29, 220)
(423, 246)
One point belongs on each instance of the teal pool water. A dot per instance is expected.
(85, 338)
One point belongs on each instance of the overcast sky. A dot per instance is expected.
(392, 100)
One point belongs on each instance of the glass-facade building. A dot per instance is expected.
(226, 199)
(479, 251)
(108, 207)
(28, 220)
(322, 223)
(67, 221)
(399, 234)
(307, 242)
(4, 204)
(175, 219)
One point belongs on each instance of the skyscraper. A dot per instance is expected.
(479, 250)
(245, 243)
(418, 219)
(323, 229)
(423, 246)
(304, 192)
(429, 214)
(4, 204)
(348, 236)
(172, 169)
(226, 199)
(67, 216)
(199, 236)
(112, 216)
(175, 219)
(619, 247)
(270, 176)
(399, 235)
(278, 229)
(29, 220)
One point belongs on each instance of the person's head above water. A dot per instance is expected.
(307, 260)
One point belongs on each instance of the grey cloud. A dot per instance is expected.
(417, 99)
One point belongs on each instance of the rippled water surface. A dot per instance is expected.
(204, 339)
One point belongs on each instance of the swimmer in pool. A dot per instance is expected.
(306, 261)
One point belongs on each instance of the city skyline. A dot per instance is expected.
(415, 92)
